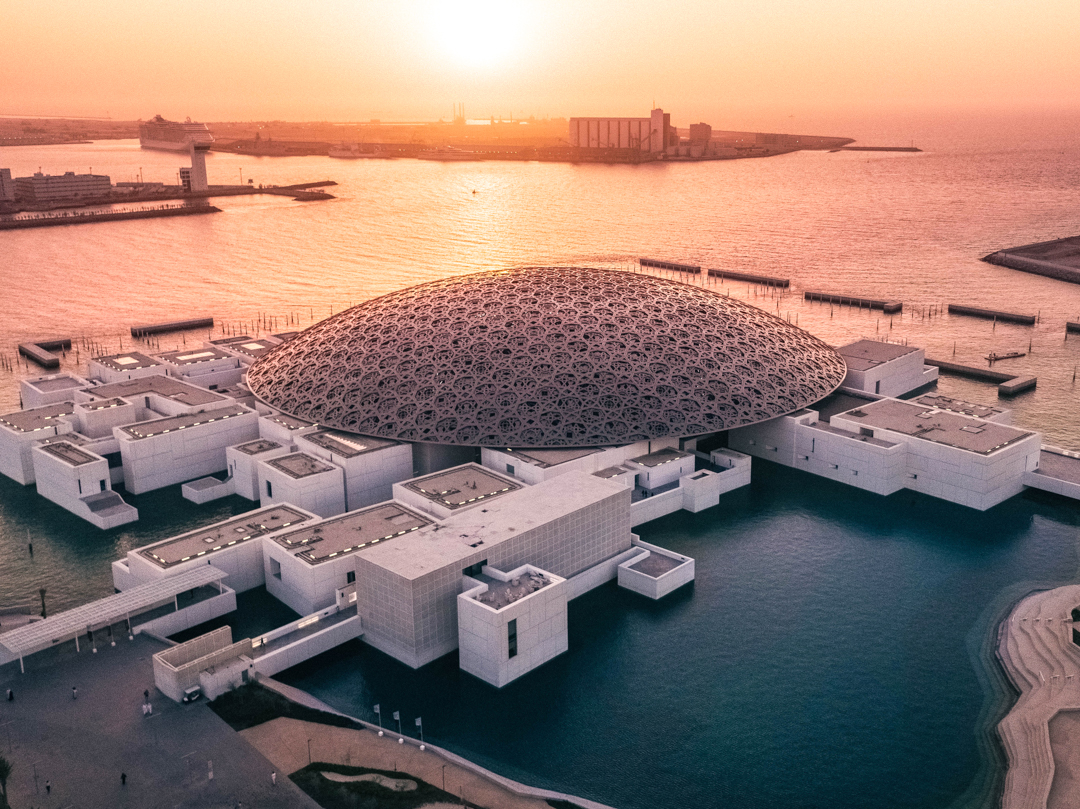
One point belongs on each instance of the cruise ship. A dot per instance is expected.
(157, 133)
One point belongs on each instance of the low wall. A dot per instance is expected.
(188, 617)
(308, 647)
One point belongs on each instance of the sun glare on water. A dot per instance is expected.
(478, 33)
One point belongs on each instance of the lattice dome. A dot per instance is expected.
(546, 357)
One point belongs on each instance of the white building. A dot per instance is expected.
(66, 187)
(371, 465)
(886, 369)
(653, 134)
(207, 366)
(78, 480)
(885, 445)
(303, 480)
(123, 367)
(51, 389)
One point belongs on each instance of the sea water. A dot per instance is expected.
(835, 649)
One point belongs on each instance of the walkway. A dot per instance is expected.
(1036, 649)
(81, 746)
(285, 743)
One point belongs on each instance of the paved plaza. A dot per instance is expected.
(81, 746)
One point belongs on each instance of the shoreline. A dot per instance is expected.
(1035, 649)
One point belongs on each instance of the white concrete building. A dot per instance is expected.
(19, 431)
(308, 567)
(207, 367)
(371, 465)
(162, 452)
(284, 429)
(885, 445)
(510, 623)
(457, 489)
(78, 480)
(885, 369)
(125, 366)
(51, 389)
(653, 134)
(233, 546)
(302, 480)
(66, 187)
(242, 463)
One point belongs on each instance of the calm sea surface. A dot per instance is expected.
(835, 648)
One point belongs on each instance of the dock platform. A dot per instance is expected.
(991, 314)
(1008, 384)
(40, 351)
(887, 307)
(652, 263)
(175, 325)
(1058, 258)
(768, 280)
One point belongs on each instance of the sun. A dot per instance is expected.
(478, 33)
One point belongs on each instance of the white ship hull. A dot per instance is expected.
(165, 145)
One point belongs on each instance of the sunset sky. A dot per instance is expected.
(730, 62)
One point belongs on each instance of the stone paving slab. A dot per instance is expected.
(82, 745)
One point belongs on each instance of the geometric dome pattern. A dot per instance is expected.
(546, 357)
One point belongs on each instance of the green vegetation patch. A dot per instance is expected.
(367, 794)
(251, 705)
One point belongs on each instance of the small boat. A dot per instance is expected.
(1011, 355)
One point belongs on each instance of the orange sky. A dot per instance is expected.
(730, 62)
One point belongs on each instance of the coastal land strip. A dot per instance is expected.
(1036, 648)
(1059, 258)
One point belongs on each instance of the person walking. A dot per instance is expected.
(48, 787)
(10, 695)
(74, 692)
(123, 779)
(273, 778)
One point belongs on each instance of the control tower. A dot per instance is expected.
(194, 178)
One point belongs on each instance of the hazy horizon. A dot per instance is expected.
(766, 65)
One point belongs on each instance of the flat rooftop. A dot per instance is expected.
(222, 535)
(300, 465)
(55, 383)
(68, 453)
(148, 429)
(37, 418)
(469, 533)
(656, 565)
(836, 403)
(288, 422)
(461, 486)
(660, 457)
(228, 341)
(544, 458)
(345, 444)
(253, 348)
(611, 472)
(352, 532)
(504, 593)
(825, 427)
(938, 426)
(863, 355)
(164, 386)
(103, 404)
(194, 356)
(257, 447)
(1059, 467)
(971, 409)
(128, 361)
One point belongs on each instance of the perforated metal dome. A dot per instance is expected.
(546, 357)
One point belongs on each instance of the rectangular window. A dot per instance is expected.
(509, 469)
(866, 431)
(350, 577)
(813, 442)
(511, 636)
(877, 386)
(275, 569)
(103, 485)
(474, 570)
(146, 401)
(80, 487)
(269, 489)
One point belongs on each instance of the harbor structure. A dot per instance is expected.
(445, 468)
(7, 186)
(652, 135)
(193, 178)
(68, 186)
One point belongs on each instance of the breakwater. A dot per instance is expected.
(1008, 384)
(1058, 258)
(40, 351)
(879, 149)
(990, 314)
(86, 217)
(768, 280)
(887, 307)
(175, 325)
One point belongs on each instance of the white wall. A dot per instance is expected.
(322, 493)
(244, 469)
